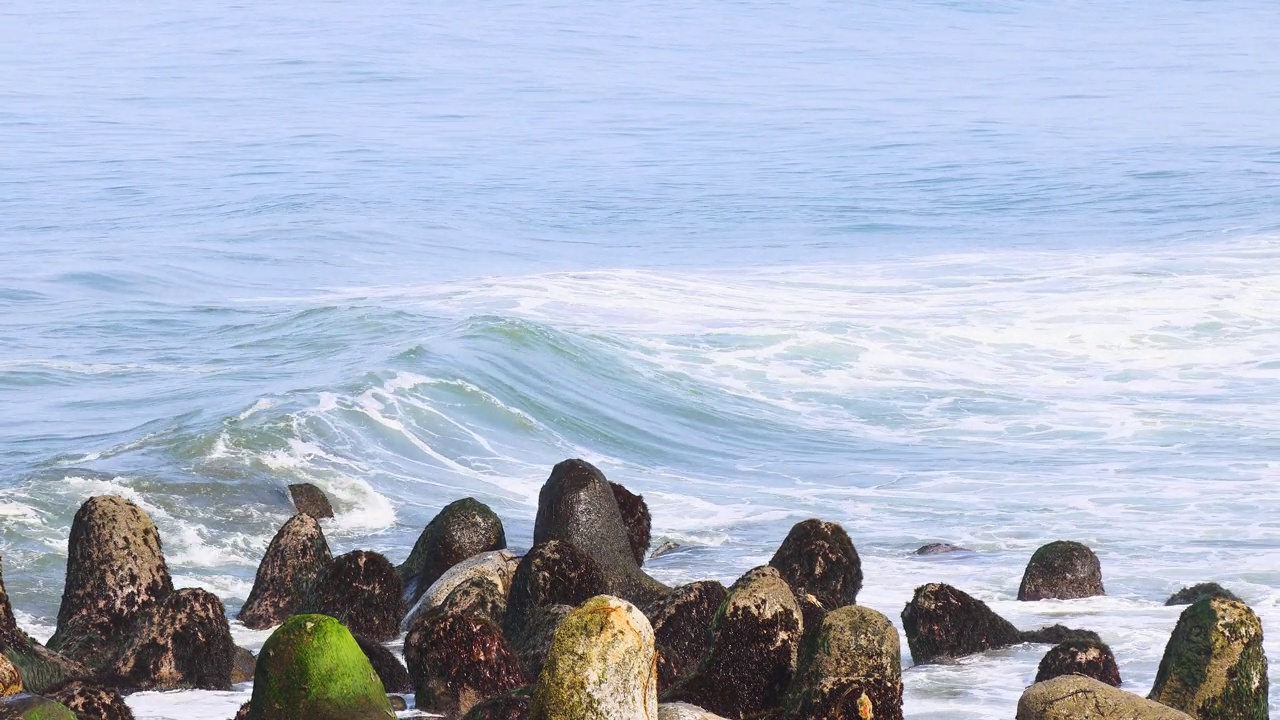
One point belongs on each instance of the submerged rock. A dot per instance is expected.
(115, 569)
(392, 673)
(940, 549)
(1090, 658)
(311, 667)
(1189, 595)
(456, 661)
(852, 669)
(818, 558)
(92, 702)
(1214, 666)
(1054, 634)
(182, 642)
(635, 515)
(362, 591)
(682, 627)
(577, 506)
(33, 707)
(1075, 697)
(601, 666)
(1062, 570)
(309, 499)
(496, 568)
(296, 557)
(944, 622)
(462, 529)
(754, 644)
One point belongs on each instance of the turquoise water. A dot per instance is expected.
(994, 273)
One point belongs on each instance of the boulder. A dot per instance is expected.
(311, 667)
(456, 661)
(296, 557)
(462, 529)
(684, 711)
(818, 558)
(944, 622)
(635, 515)
(33, 707)
(498, 567)
(1214, 666)
(513, 706)
(311, 500)
(1189, 595)
(1075, 697)
(1054, 634)
(601, 666)
(115, 569)
(551, 573)
(10, 678)
(852, 669)
(92, 702)
(243, 665)
(1090, 658)
(26, 662)
(362, 590)
(682, 627)
(1062, 570)
(754, 644)
(532, 638)
(392, 673)
(577, 506)
(184, 641)
(940, 549)
(477, 596)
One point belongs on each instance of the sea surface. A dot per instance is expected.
(987, 272)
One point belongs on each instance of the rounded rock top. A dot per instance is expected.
(1062, 570)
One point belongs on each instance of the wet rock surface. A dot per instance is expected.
(851, 669)
(362, 590)
(392, 672)
(297, 556)
(682, 627)
(309, 499)
(940, 549)
(684, 711)
(498, 567)
(92, 702)
(182, 642)
(1062, 570)
(25, 706)
(1054, 634)
(243, 665)
(635, 515)
(552, 573)
(1214, 666)
(507, 707)
(531, 639)
(457, 661)
(1199, 591)
(1075, 697)
(462, 529)
(1092, 659)
(944, 622)
(818, 558)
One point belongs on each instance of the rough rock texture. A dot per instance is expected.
(1062, 570)
(940, 549)
(818, 558)
(497, 566)
(1080, 657)
(551, 573)
(1075, 697)
(1054, 634)
(243, 665)
(1214, 666)
(682, 627)
(814, 613)
(532, 639)
(115, 568)
(311, 667)
(601, 666)
(463, 528)
(182, 642)
(10, 678)
(685, 711)
(944, 622)
(92, 702)
(754, 645)
(635, 515)
(243, 712)
(851, 669)
(38, 667)
(577, 506)
(508, 707)
(1189, 595)
(33, 707)
(477, 596)
(362, 590)
(297, 555)
(392, 673)
(456, 661)
(309, 499)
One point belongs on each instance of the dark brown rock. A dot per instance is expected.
(243, 712)
(531, 639)
(818, 558)
(309, 499)
(456, 661)
(243, 663)
(940, 549)
(512, 706)
(1199, 591)
(635, 515)
(182, 642)
(551, 573)
(362, 591)
(394, 676)
(115, 569)
(682, 627)
(1054, 634)
(39, 667)
(1080, 657)
(296, 557)
(943, 622)
(91, 702)
(462, 529)
(1062, 570)
(398, 703)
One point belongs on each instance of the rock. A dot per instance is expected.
(1054, 634)
(1214, 666)
(115, 569)
(682, 627)
(392, 673)
(1075, 697)
(940, 549)
(92, 702)
(577, 506)
(182, 642)
(665, 548)
(944, 622)
(33, 707)
(852, 669)
(532, 639)
(296, 557)
(1189, 595)
(477, 596)
(362, 591)
(635, 515)
(10, 678)
(1062, 570)
(243, 712)
(512, 706)
(1089, 658)
(398, 703)
(813, 613)
(754, 644)
(818, 558)
(498, 566)
(311, 500)
(684, 711)
(311, 667)
(601, 666)
(462, 529)
(456, 661)
(551, 573)
(243, 665)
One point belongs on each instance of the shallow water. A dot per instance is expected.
(993, 273)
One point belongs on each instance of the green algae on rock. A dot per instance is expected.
(33, 707)
(1214, 666)
(1062, 570)
(851, 668)
(601, 666)
(1075, 697)
(311, 668)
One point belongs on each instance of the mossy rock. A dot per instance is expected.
(1214, 666)
(601, 666)
(1090, 658)
(311, 668)
(1075, 697)
(1062, 570)
(532, 639)
(296, 557)
(33, 707)
(942, 621)
(10, 678)
(818, 558)
(1189, 595)
(92, 702)
(850, 668)
(462, 529)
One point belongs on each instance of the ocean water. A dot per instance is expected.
(988, 272)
